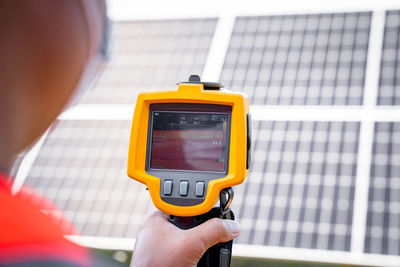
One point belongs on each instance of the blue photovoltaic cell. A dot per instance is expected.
(82, 169)
(151, 55)
(389, 84)
(314, 59)
(383, 222)
(300, 191)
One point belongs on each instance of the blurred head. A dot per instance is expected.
(45, 49)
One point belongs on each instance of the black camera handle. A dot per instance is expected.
(220, 254)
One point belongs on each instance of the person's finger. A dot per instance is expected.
(215, 231)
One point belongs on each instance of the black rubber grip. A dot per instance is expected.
(218, 255)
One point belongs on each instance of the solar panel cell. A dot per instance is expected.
(382, 235)
(302, 59)
(88, 180)
(301, 188)
(151, 55)
(389, 89)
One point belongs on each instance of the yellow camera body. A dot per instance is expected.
(186, 145)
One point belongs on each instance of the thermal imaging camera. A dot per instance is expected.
(188, 144)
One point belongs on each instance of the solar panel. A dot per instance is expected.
(383, 233)
(301, 188)
(389, 90)
(301, 192)
(151, 55)
(81, 167)
(314, 59)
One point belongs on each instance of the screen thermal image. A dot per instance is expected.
(189, 141)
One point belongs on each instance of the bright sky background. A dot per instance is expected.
(150, 9)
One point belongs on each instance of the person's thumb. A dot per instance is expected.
(215, 231)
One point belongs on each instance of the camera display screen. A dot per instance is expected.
(194, 141)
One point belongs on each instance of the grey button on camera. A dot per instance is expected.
(199, 189)
(167, 187)
(183, 188)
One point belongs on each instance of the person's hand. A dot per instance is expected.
(160, 243)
